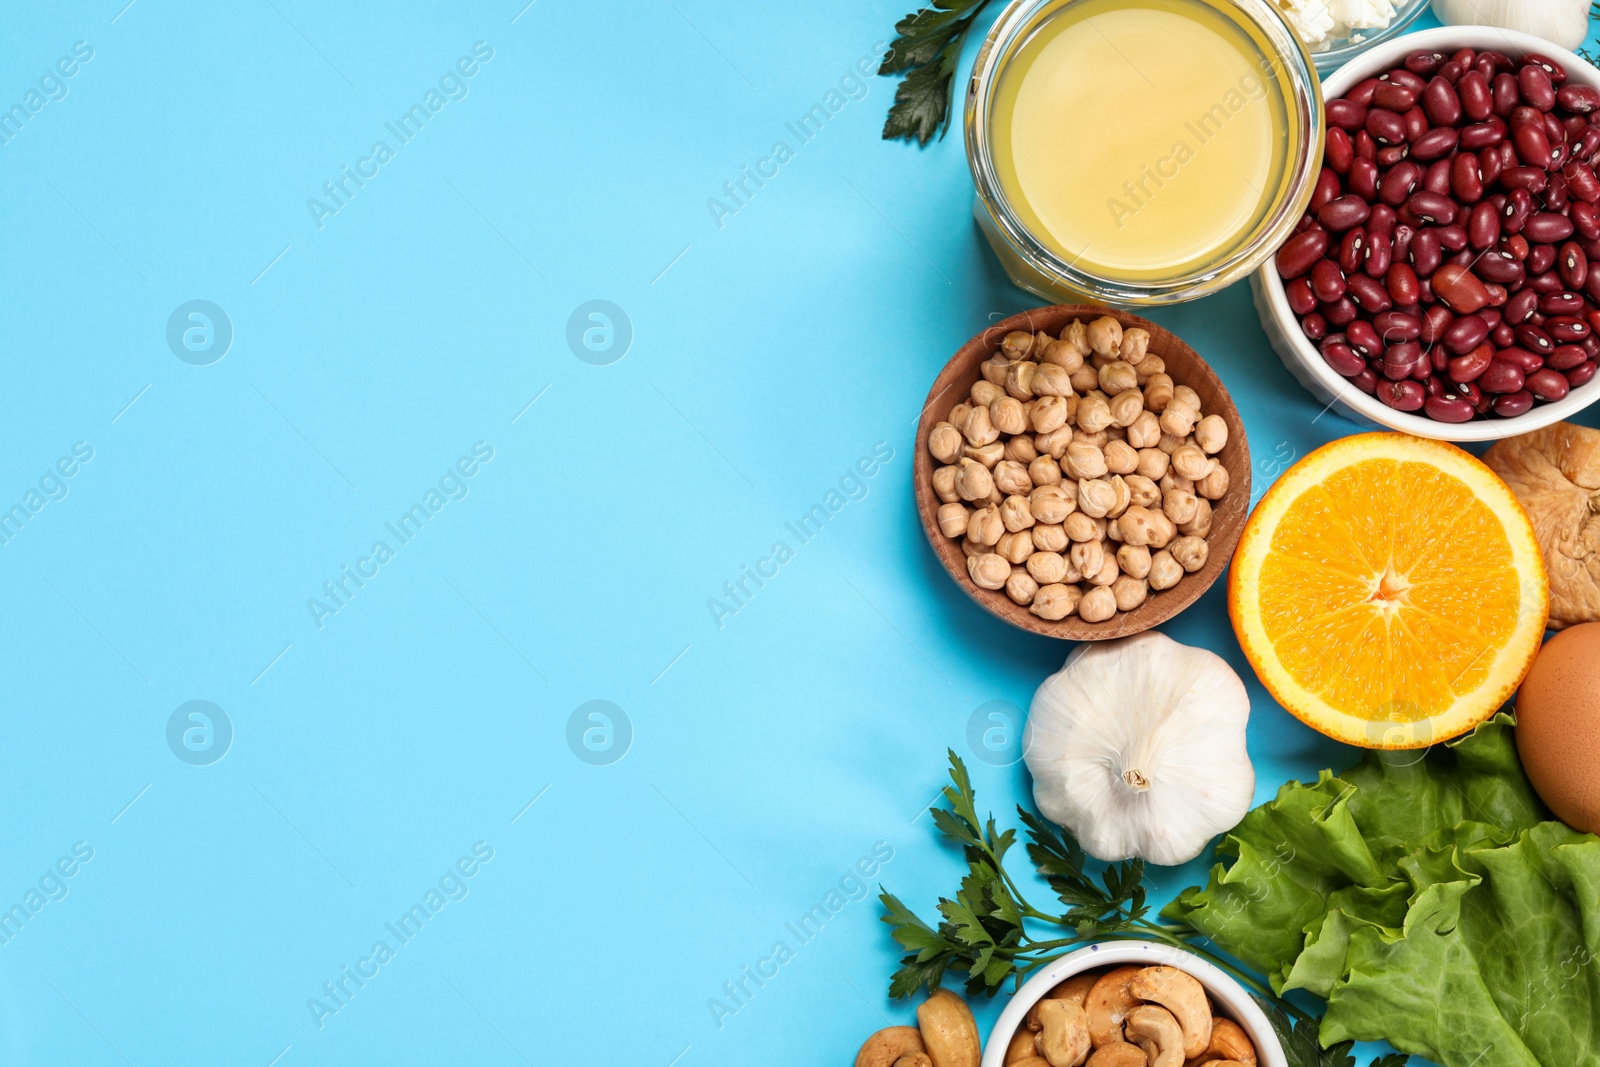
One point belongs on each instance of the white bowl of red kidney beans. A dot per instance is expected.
(1439, 282)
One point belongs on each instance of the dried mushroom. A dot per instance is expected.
(1555, 473)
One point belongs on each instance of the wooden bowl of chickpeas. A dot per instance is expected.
(1081, 472)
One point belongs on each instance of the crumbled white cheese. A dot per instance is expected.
(1322, 22)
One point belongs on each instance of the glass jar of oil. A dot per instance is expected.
(1141, 152)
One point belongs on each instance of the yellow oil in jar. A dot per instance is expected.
(1140, 138)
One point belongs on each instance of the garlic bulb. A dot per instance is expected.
(1562, 22)
(1138, 747)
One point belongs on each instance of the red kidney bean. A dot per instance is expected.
(1327, 281)
(1522, 305)
(1581, 99)
(1466, 178)
(1382, 221)
(1587, 145)
(1492, 316)
(1497, 294)
(1449, 407)
(1483, 134)
(1535, 340)
(1556, 197)
(1342, 358)
(1369, 294)
(1526, 116)
(1416, 121)
(1400, 359)
(1558, 73)
(1399, 182)
(1513, 404)
(1301, 252)
(1575, 125)
(1547, 227)
(1402, 395)
(1386, 127)
(1504, 95)
(1532, 143)
(1441, 103)
(1389, 155)
(1363, 337)
(1451, 71)
(1582, 374)
(1537, 90)
(1436, 143)
(1397, 97)
(1540, 258)
(1548, 282)
(1561, 303)
(1362, 93)
(1500, 377)
(1586, 220)
(1401, 281)
(1314, 326)
(1567, 328)
(1327, 187)
(1517, 245)
(1503, 336)
(1425, 64)
(1477, 102)
(1379, 257)
(1366, 381)
(1403, 236)
(1436, 177)
(1522, 359)
(1581, 181)
(1453, 237)
(1344, 212)
(1364, 145)
(1346, 115)
(1483, 225)
(1565, 357)
(1546, 384)
(1426, 253)
(1593, 318)
(1500, 268)
(1352, 250)
(1459, 288)
(1533, 179)
(1467, 367)
(1490, 167)
(1519, 205)
(1591, 345)
(1432, 207)
(1338, 150)
(1572, 263)
(1341, 312)
(1401, 76)
(1363, 179)
(1393, 326)
(1465, 334)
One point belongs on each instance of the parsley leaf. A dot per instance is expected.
(926, 48)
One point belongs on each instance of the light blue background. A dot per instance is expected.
(769, 353)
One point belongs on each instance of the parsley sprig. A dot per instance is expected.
(983, 931)
(926, 49)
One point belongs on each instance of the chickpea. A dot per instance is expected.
(1081, 528)
(1123, 498)
(1142, 526)
(1011, 477)
(994, 370)
(1021, 587)
(1173, 480)
(1178, 419)
(1044, 471)
(1016, 513)
(988, 571)
(1097, 605)
(970, 548)
(1108, 572)
(958, 415)
(944, 485)
(1078, 333)
(1085, 378)
(1049, 537)
(1118, 377)
(979, 428)
(1142, 491)
(944, 442)
(1115, 433)
(1190, 552)
(1094, 413)
(1041, 341)
(1214, 486)
(1015, 547)
(1149, 367)
(1005, 414)
(1114, 531)
(1157, 393)
(1135, 344)
(1096, 497)
(973, 480)
(1179, 505)
(953, 520)
(1165, 572)
(1050, 503)
(1145, 430)
(1170, 444)
(1054, 442)
(1153, 463)
(1055, 602)
(985, 525)
(1126, 407)
(1085, 460)
(1190, 461)
(1047, 568)
(1051, 380)
(985, 393)
(1019, 380)
(1134, 560)
(1087, 556)
(1098, 439)
(1190, 399)
(1211, 433)
(1105, 336)
(1129, 592)
(1049, 414)
(989, 455)
(1017, 344)
(1064, 354)
(1021, 449)
(1200, 525)
(1121, 457)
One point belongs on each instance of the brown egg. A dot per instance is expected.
(1558, 725)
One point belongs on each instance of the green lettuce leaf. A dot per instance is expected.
(1430, 899)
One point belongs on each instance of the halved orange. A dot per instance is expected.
(1389, 592)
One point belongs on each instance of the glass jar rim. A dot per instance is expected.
(1305, 100)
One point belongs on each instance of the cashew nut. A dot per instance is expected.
(949, 1030)
(1183, 996)
(889, 1045)
(1063, 1034)
(1118, 1054)
(1021, 1047)
(1155, 1030)
(1229, 1044)
(1031, 1061)
(1108, 1005)
(914, 1059)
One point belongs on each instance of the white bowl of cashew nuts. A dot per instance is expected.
(1112, 1026)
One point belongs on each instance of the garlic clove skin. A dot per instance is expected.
(1562, 22)
(1137, 747)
